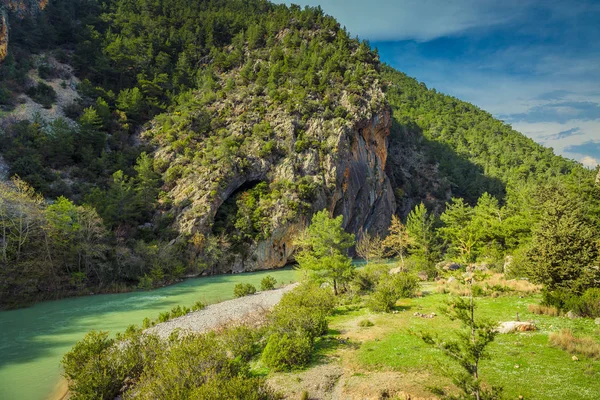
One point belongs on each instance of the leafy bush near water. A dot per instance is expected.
(243, 289)
(268, 283)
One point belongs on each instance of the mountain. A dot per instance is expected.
(203, 135)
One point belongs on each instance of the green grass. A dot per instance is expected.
(544, 372)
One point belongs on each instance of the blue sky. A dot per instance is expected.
(532, 63)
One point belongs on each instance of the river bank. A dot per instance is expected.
(244, 310)
(34, 339)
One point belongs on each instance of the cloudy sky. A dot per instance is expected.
(532, 63)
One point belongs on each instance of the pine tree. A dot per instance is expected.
(323, 250)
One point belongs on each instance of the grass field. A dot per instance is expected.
(386, 360)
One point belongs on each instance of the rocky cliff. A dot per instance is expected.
(245, 170)
(18, 8)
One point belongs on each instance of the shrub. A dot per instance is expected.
(146, 283)
(286, 351)
(191, 362)
(565, 340)
(390, 289)
(164, 316)
(366, 279)
(406, 284)
(42, 94)
(303, 310)
(365, 323)
(243, 289)
(310, 296)
(588, 305)
(147, 323)
(241, 341)
(179, 311)
(89, 370)
(384, 298)
(268, 283)
(198, 306)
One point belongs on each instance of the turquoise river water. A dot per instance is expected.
(33, 340)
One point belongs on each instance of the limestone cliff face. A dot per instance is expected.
(344, 170)
(360, 190)
(3, 34)
(20, 9)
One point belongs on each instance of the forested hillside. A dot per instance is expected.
(206, 133)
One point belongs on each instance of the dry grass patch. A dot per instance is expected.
(493, 286)
(543, 310)
(586, 345)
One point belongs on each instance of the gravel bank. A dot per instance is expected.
(224, 313)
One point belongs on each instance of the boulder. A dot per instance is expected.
(572, 315)
(515, 326)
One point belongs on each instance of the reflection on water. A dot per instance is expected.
(34, 339)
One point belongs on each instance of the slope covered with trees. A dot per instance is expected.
(206, 129)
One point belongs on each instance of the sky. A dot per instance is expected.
(534, 64)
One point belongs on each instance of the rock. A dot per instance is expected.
(517, 366)
(597, 321)
(575, 358)
(451, 279)
(430, 315)
(423, 276)
(572, 315)
(515, 326)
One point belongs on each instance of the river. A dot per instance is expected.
(33, 340)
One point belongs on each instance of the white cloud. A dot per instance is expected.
(590, 162)
(416, 20)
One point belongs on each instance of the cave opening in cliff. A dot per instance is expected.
(235, 218)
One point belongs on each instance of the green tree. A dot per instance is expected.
(323, 250)
(458, 231)
(468, 350)
(420, 229)
(564, 248)
(146, 182)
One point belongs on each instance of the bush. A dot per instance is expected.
(243, 289)
(365, 323)
(89, 370)
(198, 306)
(366, 279)
(241, 341)
(191, 362)
(588, 305)
(384, 298)
(268, 283)
(390, 289)
(42, 94)
(406, 284)
(286, 351)
(311, 296)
